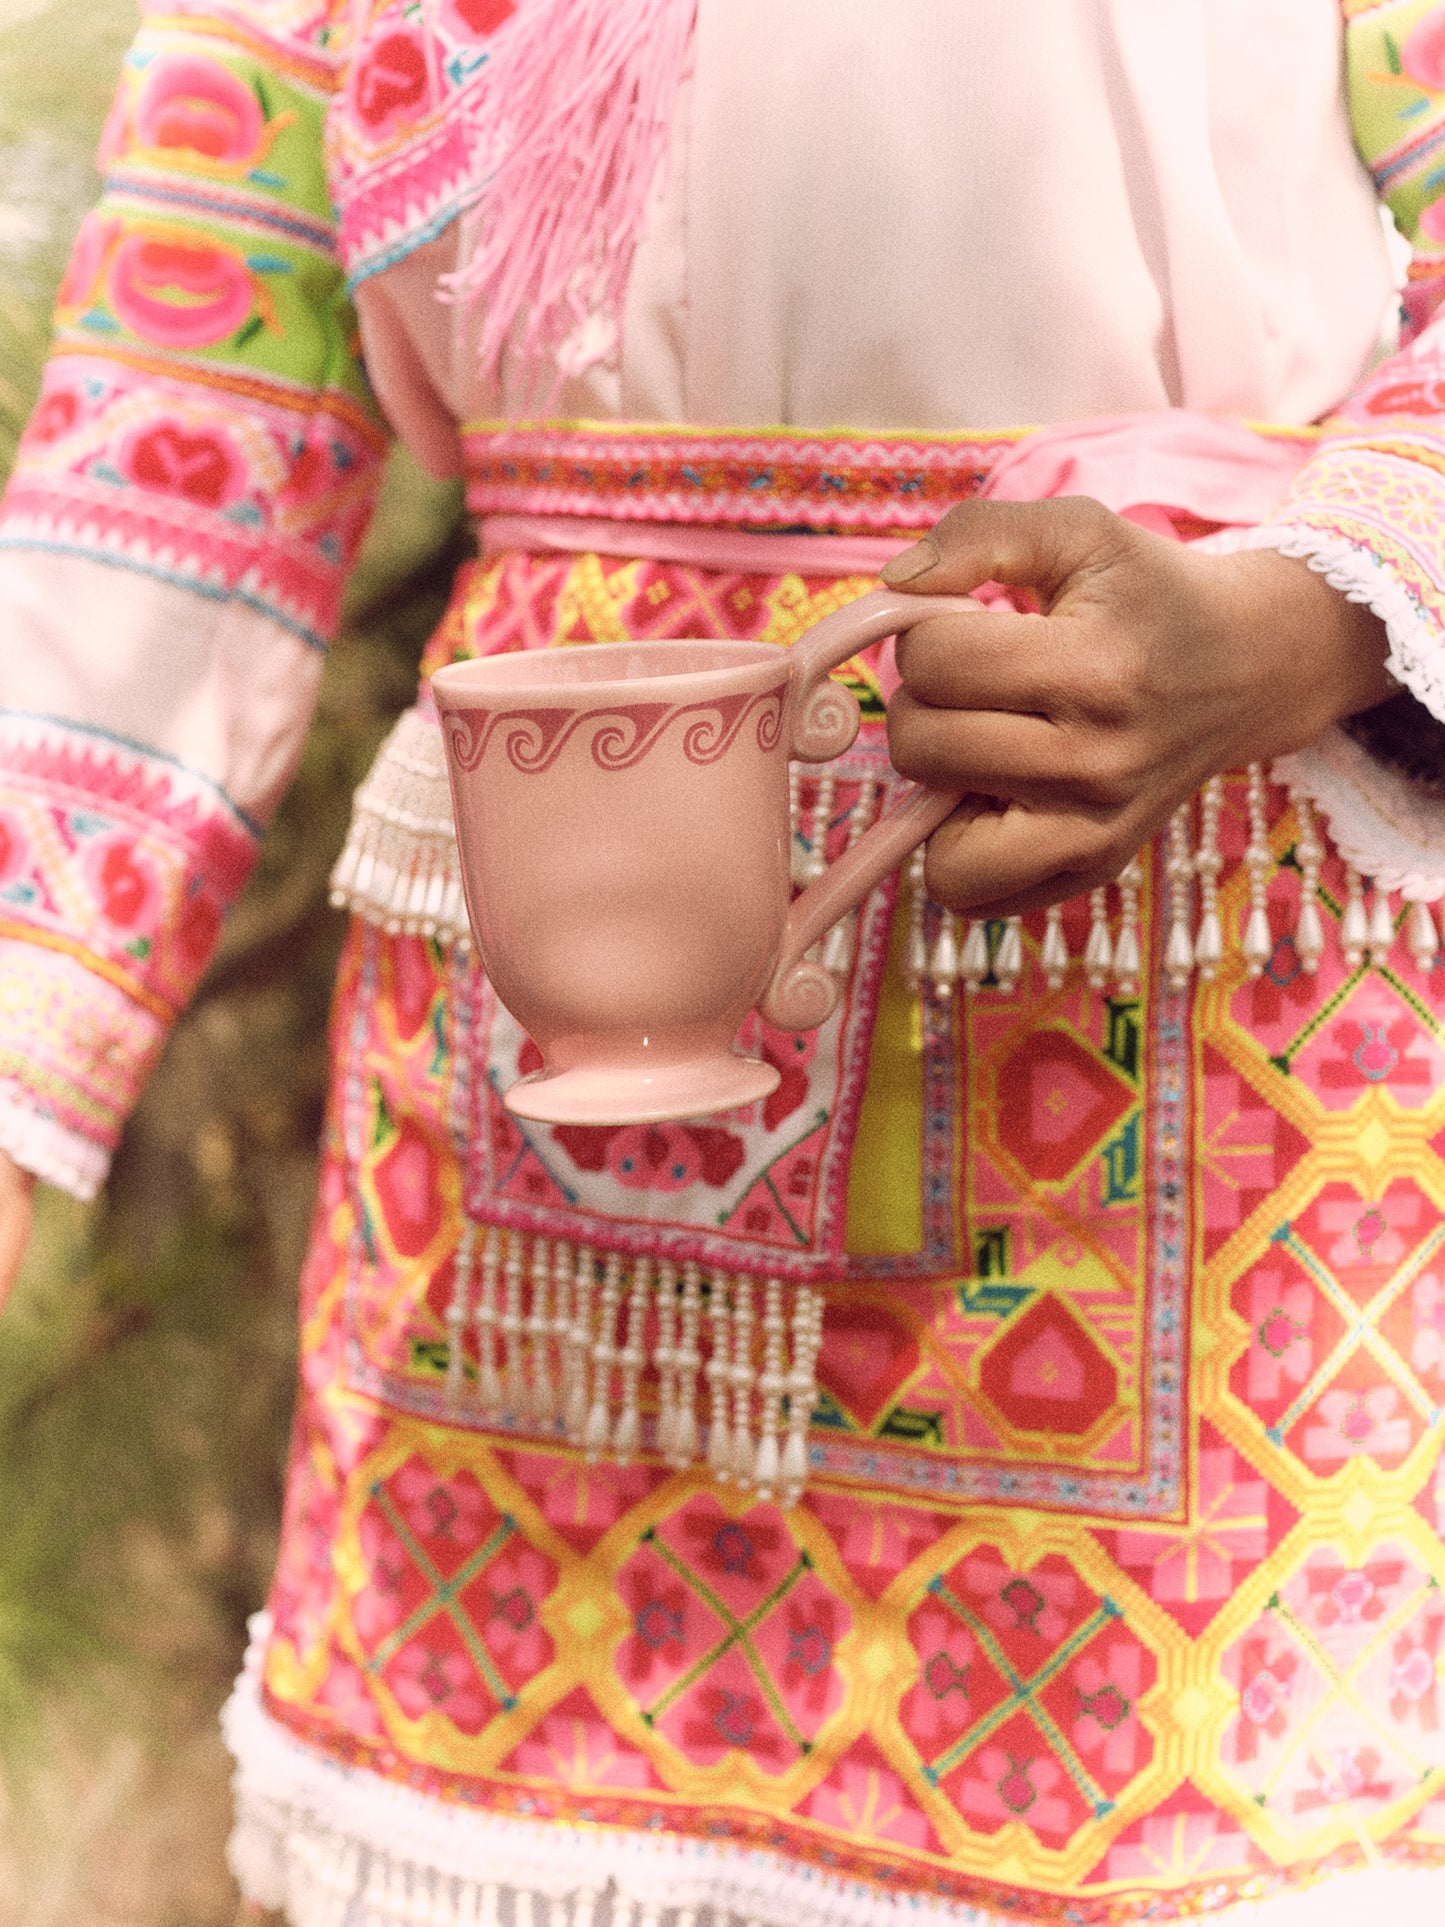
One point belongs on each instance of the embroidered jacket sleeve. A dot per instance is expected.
(1368, 508)
(174, 540)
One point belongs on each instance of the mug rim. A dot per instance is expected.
(456, 682)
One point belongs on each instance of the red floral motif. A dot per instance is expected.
(1018, 1778)
(1376, 1040)
(1415, 1673)
(195, 105)
(1343, 1774)
(1352, 1422)
(1351, 1596)
(1266, 1686)
(201, 465)
(429, 1677)
(56, 415)
(476, 19)
(390, 82)
(1423, 54)
(179, 292)
(127, 888)
(14, 848)
(655, 1157)
(1418, 397)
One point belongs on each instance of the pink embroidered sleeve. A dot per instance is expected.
(1367, 510)
(174, 541)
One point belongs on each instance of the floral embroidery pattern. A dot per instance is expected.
(204, 417)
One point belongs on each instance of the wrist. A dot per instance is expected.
(1329, 653)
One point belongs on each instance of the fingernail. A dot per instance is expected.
(913, 563)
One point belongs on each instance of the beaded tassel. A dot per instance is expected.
(1179, 870)
(579, 1347)
(1421, 935)
(514, 1381)
(628, 1430)
(1381, 937)
(837, 954)
(1127, 963)
(543, 1400)
(797, 850)
(561, 1334)
(802, 1391)
(816, 861)
(489, 1383)
(1054, 956)
(719, 1378)
(1354, 925)
(604, 1353)
(1208, 862)
(974, 962)
(1258, 938)
(943, 961)
(689, 1358)
(744, 1452)
(664, 1354)
(1008, 963)
(916, 954)
(1099, 947)
(457, 1311)
(1309, 935)
(772, 1384)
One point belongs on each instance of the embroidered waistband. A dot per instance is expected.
(745, 478)
(845, 481)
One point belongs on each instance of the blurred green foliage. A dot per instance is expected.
(146, 1361)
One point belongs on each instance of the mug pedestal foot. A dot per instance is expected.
(642, 1095)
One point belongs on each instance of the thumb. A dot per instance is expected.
(1033, 545)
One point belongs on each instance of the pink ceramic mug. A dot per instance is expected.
(622, 817)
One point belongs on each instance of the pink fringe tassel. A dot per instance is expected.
(581, 94)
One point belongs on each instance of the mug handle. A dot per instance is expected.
(802, 993)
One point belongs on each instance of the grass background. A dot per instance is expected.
(146, 1361)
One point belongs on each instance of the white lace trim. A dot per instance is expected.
(1379, 821)
(37, 1143)
(338, 1846)
(1417, 650)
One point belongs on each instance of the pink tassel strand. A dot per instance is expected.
(581, 93)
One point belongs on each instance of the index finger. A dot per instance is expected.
(993, 660)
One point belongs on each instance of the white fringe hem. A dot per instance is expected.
(39, 1145)
(337, 1846)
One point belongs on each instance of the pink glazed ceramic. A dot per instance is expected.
(622, 817)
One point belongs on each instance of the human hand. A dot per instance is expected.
(16, 1191)
(1077, 730)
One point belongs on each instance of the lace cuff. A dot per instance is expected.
(1417, 650)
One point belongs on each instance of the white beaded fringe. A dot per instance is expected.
(338, 1846)
(578, 1346)
(945, 952)
(399, 869)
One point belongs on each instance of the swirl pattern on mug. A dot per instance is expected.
(622, 736)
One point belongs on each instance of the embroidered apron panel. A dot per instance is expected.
(1117, 1584)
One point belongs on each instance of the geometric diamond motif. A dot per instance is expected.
(1338, 1690)
(1048, 1374)
(1025, 1708)
(1056, 1101)
(733, 1637)
(449, 1612)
